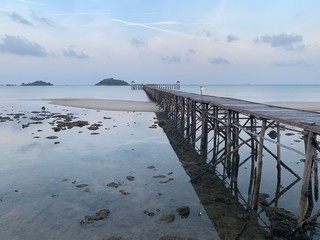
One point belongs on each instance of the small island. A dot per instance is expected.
(112, 82)
(37, 83)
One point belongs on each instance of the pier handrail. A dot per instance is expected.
(306, 120)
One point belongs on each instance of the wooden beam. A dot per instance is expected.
(259, 170)
(306, 177)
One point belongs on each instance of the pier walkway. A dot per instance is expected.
(218, 127)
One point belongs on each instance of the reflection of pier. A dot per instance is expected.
(219, 128)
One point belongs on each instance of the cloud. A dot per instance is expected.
(31, 2)
(153, 26)
(21, 46)
(231, 38)
(292, 63)
(171, 59)
(289, 42)
(42, 20)
(219, 61)
(165, 23)
(139, 43)
(71, 53)
(19, 19)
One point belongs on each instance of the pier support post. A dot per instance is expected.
(306, 176)
(259, 170)
(204, 130)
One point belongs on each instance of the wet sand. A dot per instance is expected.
(309, 106)
(105, 104)
(128, 105)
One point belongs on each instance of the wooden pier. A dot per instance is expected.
(176, 86)
(218, 128)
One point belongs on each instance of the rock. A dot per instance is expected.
(83, 185)
(130, 178)
(273, 134)
(101, 214)
(52, 137)
(94, 127)
(95, 133)
(168, 180)
(167, 218)
(150, 214)
(114, 184)
(159, 176)
(184, 211)
(123, 192)
(282, 221)
(289, 134)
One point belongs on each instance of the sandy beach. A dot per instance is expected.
(309, 106)
(105, 104)
(140, 106)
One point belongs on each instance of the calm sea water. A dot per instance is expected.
(256, 93)
(36, 189)
(261, 93)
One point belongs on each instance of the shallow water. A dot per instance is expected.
(39, 197)
(37, 167)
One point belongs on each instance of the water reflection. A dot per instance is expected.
(234, 156)
(39, 194)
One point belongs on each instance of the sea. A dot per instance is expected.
(250, 92)
(52, 182)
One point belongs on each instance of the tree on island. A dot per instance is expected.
(37, 83)
(112, 82)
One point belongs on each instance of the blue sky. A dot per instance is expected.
(200, 42)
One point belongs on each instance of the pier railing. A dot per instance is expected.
(176, 86)
(218, 128)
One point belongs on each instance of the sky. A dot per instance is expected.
(81, 42)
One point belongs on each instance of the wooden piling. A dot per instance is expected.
(306, 176)
(198, 116)
(259, 170)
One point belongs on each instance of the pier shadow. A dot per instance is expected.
(236, 214)
(227, 214)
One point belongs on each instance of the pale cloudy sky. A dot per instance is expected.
(160, 41)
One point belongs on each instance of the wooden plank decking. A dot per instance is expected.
(306, 120)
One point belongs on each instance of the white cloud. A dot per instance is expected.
(19, 45)
(219, 61)
(288, 42)
(231, 38)
(42, 20)
(139, 43)
(19, 19)
(71, 53)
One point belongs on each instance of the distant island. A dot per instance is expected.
(37, 83)
(112, 82)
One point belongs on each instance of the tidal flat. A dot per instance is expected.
(73, 173)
